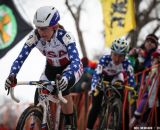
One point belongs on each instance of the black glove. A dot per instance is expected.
(11, 81)
(96, 91)
(133, 97)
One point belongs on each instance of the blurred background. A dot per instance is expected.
(94, 23)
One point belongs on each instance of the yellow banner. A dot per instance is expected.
(119, 18)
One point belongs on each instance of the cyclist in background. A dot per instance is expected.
(114, 65)
(59, 48)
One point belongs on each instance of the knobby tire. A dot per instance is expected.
(26, 113)
(104, 122)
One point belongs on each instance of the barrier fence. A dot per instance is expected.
(83, 102)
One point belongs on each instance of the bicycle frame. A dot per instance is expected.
(110, 93)
(44, 100)
(44, 103)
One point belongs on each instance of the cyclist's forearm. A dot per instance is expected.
(95, 81)
(17, 64)
(75, 68)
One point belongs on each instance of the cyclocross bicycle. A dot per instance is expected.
(111, 113)
(40, 116)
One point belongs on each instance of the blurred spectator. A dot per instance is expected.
(141, 56)
(149, 100)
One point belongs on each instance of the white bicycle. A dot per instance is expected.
(41, 116)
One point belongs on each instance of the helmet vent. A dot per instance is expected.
(48, 16)
(36, 15)
(120, 46)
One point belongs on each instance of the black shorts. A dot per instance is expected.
(51, 73)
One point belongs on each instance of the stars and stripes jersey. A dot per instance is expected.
(106, 65)
(59, 51)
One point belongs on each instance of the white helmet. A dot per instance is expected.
(120, 46)
(46, 16)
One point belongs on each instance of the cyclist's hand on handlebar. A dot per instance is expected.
(118, 83)
(11, 82)
(134, 93)
(62, 83)
(94, 92)
(134, 97)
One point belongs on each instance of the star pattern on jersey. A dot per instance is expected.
(72, 51)
(104, 61)
(127, 65)
(75, 61)
(61, 33)
(21, 58)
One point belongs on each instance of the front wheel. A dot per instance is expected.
(113, 116)
(30, 119)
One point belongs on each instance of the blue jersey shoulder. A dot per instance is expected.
(60, 34)
(105, 59)
(126, 63)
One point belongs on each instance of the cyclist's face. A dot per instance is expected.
(117, 58)
(45, 32)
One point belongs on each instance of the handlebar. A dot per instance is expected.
(118, 84)
(132, 90)
(41, 84)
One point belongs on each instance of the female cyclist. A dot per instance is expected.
(59, 48)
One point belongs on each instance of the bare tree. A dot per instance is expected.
(75, 10)
(145, 17)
